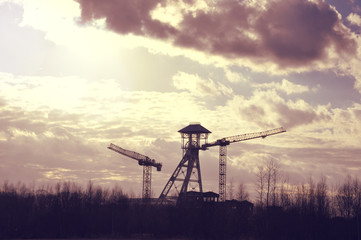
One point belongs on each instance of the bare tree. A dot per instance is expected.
(332, 194)
(260, 184)
(356, 187)
(242, 193)
(230, 190)
(268, 177)
(271, 181)
(345, 198)
(348, 198)
(322, 198)
(285, 198)
(300, 200)
(311, 201)
(273, 167)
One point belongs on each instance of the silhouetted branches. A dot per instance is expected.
(67, 210)
(63, 211)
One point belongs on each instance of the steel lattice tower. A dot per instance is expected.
(188, 170)
(147, 181)
(222, 172)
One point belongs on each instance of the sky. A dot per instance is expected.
(77, 75)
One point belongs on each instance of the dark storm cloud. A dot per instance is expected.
(290, 33)
(221, 32)
(126, 16)
(299, 31)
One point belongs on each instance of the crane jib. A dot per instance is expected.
(142, 160)
(238, 138)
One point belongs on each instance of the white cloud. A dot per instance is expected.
(267, 109)
(234, 77)
(198, 86)
(285, 86)
(354, 19)
(37, 92)
(168, 13)
(353, 66)
(104, 105)
(75, 136)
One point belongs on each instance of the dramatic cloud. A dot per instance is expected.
(134, 72)
(53, 142)
(128, 16)
(44, 147)
(289, 33)
(299, 32)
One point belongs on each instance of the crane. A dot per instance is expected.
(223, 143)
(144, 161)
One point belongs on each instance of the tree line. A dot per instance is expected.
(273, 189)
(281, 211)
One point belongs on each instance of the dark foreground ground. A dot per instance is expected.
(169, 222)
(69, 213)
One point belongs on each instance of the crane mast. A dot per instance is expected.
(144, 161)
(223, 142)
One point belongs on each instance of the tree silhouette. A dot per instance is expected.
(67, 210)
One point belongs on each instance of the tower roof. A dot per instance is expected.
(194, 128)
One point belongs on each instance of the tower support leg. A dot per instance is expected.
(198, 166)
(190, 166)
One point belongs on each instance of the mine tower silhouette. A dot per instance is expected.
(188, 172)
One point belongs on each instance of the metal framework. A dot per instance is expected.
(144, 161)
(223, 142)
(222, 172)
(189, 166)
(188, 170)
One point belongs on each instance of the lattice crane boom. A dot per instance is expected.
(223, 142)
(243, 137)
(144, 161)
